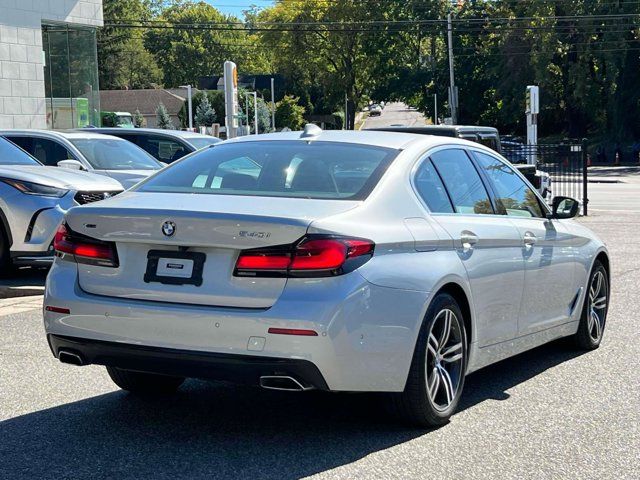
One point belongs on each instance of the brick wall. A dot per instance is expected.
(22, 100)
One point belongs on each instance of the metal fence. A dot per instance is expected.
(565, 163)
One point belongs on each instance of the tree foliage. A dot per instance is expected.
(205, 113)
(123, 61)
(585, 59)
(163, 120)
(289, 114)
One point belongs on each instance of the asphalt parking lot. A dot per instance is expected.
(550, 413)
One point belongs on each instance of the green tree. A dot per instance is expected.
(123, 62)
(205, 113)
(163, 120)
(186, 53)
(289, 113)
(138, 119)
(324, 52)
(216, 100)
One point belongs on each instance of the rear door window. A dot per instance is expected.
(47, 151)
(430, 188)
(463, 182)
(162, 148)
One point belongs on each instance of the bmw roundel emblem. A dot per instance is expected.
(168, 228)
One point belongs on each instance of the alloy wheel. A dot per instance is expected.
(444, 359)
(597, 306)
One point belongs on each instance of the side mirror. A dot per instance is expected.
(71, 164)
(564, 207)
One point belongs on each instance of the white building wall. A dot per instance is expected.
(22, 99)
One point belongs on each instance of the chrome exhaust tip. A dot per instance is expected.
(282, 382)
(71, 358)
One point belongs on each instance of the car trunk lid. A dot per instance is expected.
(214, 226)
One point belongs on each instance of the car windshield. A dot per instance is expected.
(115, 154)
(277, 168)
(202, 142)
(10, 154)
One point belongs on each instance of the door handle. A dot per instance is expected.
(468, 239)
(529, 239)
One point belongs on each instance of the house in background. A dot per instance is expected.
(146, 101)
(48, 63)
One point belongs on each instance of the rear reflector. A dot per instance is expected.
(293, 331)
(85, 249)
(49, 308)
(312, 256)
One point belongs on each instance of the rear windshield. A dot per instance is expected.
(202, 142)
(277, 168)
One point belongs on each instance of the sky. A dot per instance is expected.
(235, 7)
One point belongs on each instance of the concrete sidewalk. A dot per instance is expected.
(611, 174)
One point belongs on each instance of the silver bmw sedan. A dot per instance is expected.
(342, 261)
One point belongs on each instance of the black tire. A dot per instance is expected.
(144, 383)
(584, 338)
(5, 258)
(414, 405)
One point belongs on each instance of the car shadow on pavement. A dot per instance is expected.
(493, 382)
(23, 282)
(213, 430)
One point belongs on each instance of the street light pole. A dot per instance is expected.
(188, 87)
(255, 111)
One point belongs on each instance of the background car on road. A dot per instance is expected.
(164, 145)
(33, 201)
(86, 150)
(338, 260)
(375, 110)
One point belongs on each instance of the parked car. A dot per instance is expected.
(117, 119)
(337, 260)
(165, 145)
(490, 137)
(87, 150)
(33, 200)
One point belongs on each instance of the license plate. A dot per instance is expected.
(174, 268)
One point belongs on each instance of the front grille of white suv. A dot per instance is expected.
(90, 197)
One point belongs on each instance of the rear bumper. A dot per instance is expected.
(365, 342)
(245, 369)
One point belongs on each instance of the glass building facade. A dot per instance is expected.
(72, 94)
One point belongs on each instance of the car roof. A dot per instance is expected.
(393, 140)
(443, 130)
(155, 131)
(66, 134)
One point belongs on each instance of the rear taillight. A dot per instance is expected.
(85, 249)
(312, 256)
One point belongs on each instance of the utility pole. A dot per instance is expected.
(435, 109)
(346, 112)
(273, 107)
(453, 96)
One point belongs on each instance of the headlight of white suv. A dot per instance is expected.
(30, 188)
